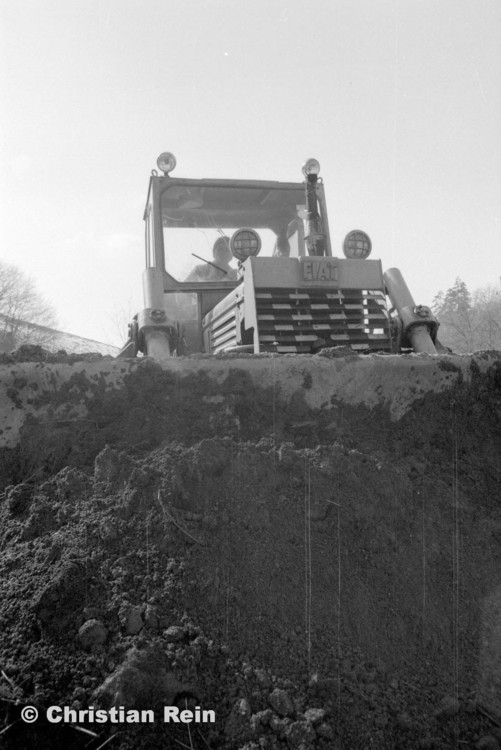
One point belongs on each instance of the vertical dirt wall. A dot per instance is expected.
(269, 537)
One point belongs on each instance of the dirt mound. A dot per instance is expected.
(315, 577)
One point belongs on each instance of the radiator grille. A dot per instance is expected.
(304, 320)
(223, 331)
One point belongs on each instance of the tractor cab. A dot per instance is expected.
(241, 265)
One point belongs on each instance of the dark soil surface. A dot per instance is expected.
(315, 586)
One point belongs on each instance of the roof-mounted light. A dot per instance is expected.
(244, 243)
(311, 166)
(166, 162)
(357, 245)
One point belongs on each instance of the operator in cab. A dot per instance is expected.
(282, 248)
(219, 269)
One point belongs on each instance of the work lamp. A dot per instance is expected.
(166, 162)
(311, 166)
(244, 243)
(357, 245)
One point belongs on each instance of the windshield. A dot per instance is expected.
(198, 222)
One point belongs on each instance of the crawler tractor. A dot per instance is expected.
(247, 266)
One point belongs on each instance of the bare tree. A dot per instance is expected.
(469, 322)
(25, 317)
(118, 323)
(487, 306)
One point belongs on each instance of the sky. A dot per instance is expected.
(399, 100)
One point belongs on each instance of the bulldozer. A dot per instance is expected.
(248, 266)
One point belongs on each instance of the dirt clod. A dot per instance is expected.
(488, 742)
(92, 633)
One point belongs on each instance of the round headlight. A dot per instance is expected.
(244, 243)
(311, 166)
(357, 245)
(166, 162)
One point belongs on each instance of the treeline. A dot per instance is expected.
(469, 322)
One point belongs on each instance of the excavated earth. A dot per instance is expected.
(309, 547)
